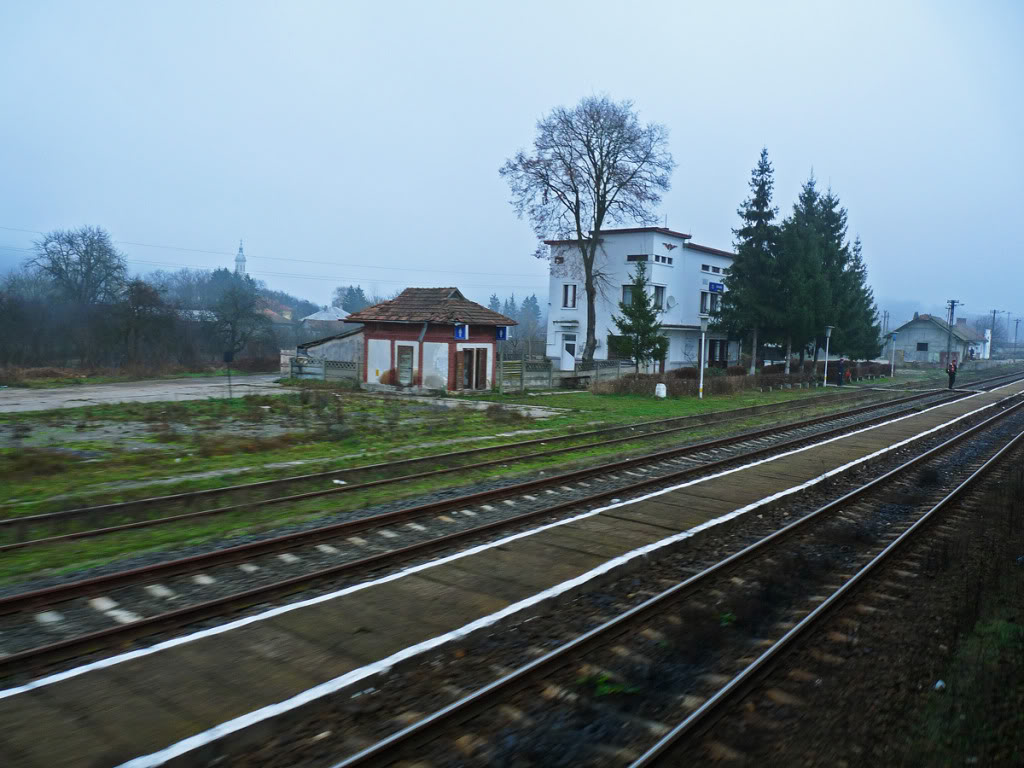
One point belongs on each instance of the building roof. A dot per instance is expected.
(430, 305)
(329, 314)
(342, 335)
(960, 332)
(626, 231)
(708, 249)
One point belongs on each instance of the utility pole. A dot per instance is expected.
(1016, 326)
(992, 340)
(950, 316)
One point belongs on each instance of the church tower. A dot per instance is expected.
(240, 260)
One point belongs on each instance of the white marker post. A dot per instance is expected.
(892, 372)
(828, 334)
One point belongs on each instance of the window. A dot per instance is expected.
(659, 297)
(716, 270)
(663, 259)
(637, 257)
(710, 302)
(627, 294)
(559, 259)
(569, 296)
(705, 267)
(922, 346)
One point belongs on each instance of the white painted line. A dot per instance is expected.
(159, 590)
(203, 579)
(48, 618)
(287, 557)
(248, 567)
(158, 758)
(103, 604)
(327, 549)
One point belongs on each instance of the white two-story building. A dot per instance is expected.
(687, 280)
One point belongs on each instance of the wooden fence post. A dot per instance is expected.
(522, 374)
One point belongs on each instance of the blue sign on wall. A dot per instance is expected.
(716, 287)
(461, 331)
(500, 332)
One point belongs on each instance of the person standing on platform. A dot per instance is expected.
(842, 371)
(951, 372)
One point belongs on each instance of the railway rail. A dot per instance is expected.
(110, 518)
(431, 738)
(42, 529)
(270, 578)
(576, 487)
(269, 668)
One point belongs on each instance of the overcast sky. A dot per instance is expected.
(361, 142)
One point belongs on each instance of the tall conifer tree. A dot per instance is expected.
(801, 283)
(749, 304)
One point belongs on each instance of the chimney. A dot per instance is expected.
(916, 315)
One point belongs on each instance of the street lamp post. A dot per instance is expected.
(828, 335)
(703, 332)
(892, 373)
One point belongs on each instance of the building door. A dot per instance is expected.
(481, 369)
(568, 358)
(467, 369)
(404, 355)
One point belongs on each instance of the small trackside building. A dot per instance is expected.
(433, 338)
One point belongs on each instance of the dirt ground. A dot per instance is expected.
(14, 399)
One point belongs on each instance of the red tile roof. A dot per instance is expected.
(430, 305)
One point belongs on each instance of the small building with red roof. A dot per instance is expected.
(434, 338)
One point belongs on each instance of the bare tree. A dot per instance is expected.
(83, 264)
(239, 317)
(592, 165)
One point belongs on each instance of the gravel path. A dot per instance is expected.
(14, 399)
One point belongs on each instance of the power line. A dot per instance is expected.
(336, 278)
(290, 258)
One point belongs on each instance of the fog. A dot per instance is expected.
(361, 143)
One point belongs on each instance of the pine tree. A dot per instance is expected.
(494, 303)
(799, 273)
(639, 324)
(749, 304)
(511, 310)
(530, 321)
(862, 331)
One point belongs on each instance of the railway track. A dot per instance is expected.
(65, 525)
(46, 625)
(25, 531)
(630, 690)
